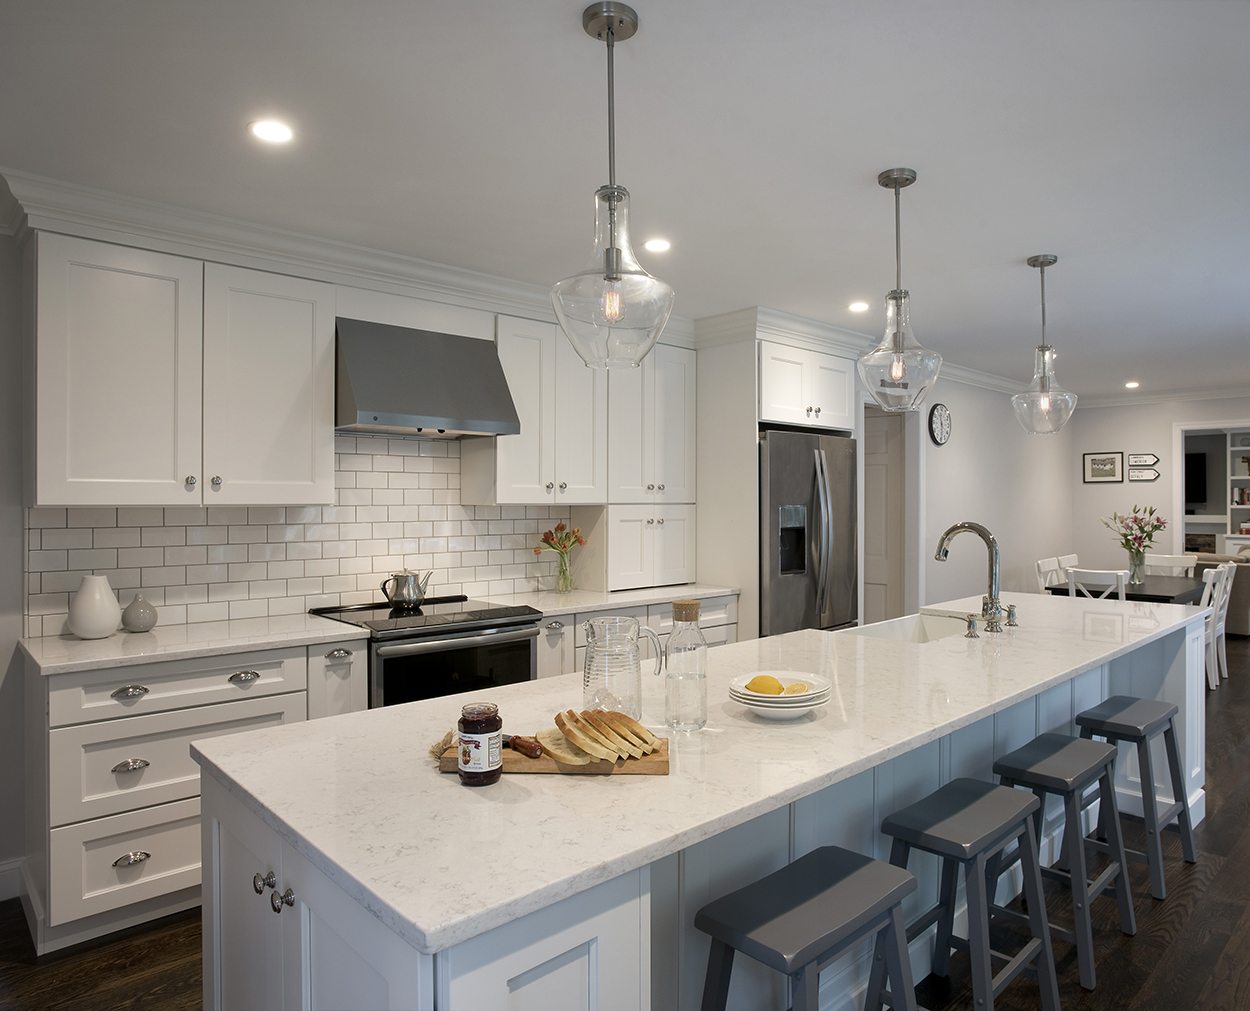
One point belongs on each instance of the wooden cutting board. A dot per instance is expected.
(654, 764)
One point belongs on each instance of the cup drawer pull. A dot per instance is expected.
(131, 858)
(339, 654)
(130, 692)
(245, 677)
(131, 765)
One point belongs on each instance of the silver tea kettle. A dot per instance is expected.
(409, 588)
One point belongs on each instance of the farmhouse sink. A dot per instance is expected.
(913, 628)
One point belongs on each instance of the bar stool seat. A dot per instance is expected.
(963, 818)
(795, 919)
(1138, 721)
(1056, 762)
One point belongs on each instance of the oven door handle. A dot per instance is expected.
(439, 645)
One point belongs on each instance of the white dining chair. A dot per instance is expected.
(1215, 594)
(1049, 573)
(1068, 562)
(1170, 565)
(1097, 583)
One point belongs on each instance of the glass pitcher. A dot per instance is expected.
(612, 676)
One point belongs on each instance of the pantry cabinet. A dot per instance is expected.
(798, 387)
(162, 380)
(560, 456)
(648, 545)
(652, 429)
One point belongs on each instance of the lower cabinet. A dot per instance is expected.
(555, 646)
(633, 546)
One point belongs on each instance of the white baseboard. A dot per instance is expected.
(10, 878)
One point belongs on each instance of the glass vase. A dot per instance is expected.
(1136, 567)
(564, 575)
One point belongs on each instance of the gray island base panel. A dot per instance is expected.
(408, 890)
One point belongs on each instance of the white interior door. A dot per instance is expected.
(526, 462)
(581, 429)
(269, 388)
(631, 546)
(674, 385)
(883, 515)
(781, 384)
(631, 437)
(118, 375)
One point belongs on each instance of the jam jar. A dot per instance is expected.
(480, 733)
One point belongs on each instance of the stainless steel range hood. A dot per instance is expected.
(398, 381)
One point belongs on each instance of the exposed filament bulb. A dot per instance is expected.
(612, 308)
(897, 369)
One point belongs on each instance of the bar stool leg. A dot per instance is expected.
(898, 961)
(946, 923)
(1180, 793)
(720, 963)
(1150, 809)
(1083, 928)
(979, 933)
(1047, 982)
(1115, 839)
(899, 853)
(806, 988)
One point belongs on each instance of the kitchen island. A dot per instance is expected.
(396, 887)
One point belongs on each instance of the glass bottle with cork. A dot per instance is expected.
(685, 688)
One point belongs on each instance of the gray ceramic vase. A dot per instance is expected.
(139, 616)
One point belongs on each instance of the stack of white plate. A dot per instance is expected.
(787, 706)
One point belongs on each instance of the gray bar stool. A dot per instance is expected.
(1066, 766)
(1139, 721)
(966, 822)
(796, 919)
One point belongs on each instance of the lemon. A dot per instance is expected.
(764, 684)
(797, 688)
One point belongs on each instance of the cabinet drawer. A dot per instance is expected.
(615, 612)
(84, 880)
(83, 696)
(86, 778)
(713, 611)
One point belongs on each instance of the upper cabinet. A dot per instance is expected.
(800, 387)
(652, 429)
(164, 381)
(560, 456)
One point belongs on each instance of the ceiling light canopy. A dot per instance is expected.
(271, 131)
(898, 372)
(613, 311)
(1045, 406)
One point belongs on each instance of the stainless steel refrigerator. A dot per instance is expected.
(808, 571)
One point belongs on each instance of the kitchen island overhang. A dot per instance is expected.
(438, 865)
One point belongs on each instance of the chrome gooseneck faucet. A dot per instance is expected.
(991, 604)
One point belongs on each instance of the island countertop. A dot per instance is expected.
(439, 863)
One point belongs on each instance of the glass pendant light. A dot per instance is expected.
(613, 311)
(898, 372)
(1045, 406)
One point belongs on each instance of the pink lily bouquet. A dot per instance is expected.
(1136, 531)
(561, 540)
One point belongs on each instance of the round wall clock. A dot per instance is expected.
(940, 424)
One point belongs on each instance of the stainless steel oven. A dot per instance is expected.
(447, 646)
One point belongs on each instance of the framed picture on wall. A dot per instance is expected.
(1104, 468)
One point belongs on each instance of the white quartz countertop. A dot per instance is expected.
(59, 654)
(360, 797)
(577, 601)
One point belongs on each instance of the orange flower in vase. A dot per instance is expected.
(561, 540)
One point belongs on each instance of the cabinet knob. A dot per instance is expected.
(564, 486)
(818, 412)
(555, 626)
(549, 486)
(277, 901)
(650, 487)
(189, 481)
(809, 410)
(216, 481)
(132, 858)
(129, 692)
(131, 765)
(339, 654)
(651, 521)
(259, 884)
(660, 487)
(244, 677)
(660, 521)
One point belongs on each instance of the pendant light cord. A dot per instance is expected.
(611, 112)
(898, 242)
(1043, 273)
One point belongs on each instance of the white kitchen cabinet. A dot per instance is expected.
(268, 388)
(338, 678)
(650, 545)
(651, 429)
(555, 646)
(161, 380)
(799, 387)
(117, 370)
(560, 456)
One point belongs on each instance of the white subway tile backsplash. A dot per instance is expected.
(398, 505)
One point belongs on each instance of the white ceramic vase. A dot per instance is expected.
(94, 611)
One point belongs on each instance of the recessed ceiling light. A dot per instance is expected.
(657, 245)
(858, 306)
(1132, 384)
(271, 131)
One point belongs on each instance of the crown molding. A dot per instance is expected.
(975, 377)
(1240, 393)
(10, 212)
(56, 206)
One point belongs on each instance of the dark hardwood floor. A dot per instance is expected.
(1191, 951)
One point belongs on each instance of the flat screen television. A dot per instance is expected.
(1196, 478)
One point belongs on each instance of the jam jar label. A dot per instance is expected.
(481, 752)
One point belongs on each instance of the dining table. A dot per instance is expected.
(1155, 589)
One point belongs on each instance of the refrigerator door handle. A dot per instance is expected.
(822, 568)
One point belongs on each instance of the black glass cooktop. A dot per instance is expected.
(436, 614)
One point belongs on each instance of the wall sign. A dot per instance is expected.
(1143, 474)
(1142, 460)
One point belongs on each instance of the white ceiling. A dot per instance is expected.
(1113, 133)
